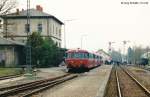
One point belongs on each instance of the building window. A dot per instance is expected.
(56, 31)
(56, 43)
(53, 29)
(59, 32)
(27, 28)
(39, 27)
(59, 45)
(1, 23)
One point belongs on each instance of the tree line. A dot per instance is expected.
(134, 55)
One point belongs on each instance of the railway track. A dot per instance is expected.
(129, 86)
(28, 89)
(111, 88)
(9, 76)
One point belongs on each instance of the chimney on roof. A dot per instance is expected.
(17, 11)
(39, 8)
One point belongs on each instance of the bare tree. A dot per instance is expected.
(7, 5)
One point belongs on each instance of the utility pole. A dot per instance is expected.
(6, 25)
(147, 50)
(110, 47)
(28, 46)
(124, 47)
(64, 35)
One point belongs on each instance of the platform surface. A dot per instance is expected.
(89, 84)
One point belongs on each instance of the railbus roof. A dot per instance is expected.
(77, 50)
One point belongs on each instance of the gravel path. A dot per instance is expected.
(90, 84)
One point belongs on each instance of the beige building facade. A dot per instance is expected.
(16, 28)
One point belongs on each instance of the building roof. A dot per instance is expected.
(33, 14)
(7, 42)
(102, 51)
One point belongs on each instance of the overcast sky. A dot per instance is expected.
(100, 20)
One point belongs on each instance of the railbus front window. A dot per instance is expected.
(77, 55)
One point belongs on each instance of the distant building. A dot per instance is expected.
(105, 56)
(11, 53)
(16, 28)
(146, 55)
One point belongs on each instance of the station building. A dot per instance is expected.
(15, 25)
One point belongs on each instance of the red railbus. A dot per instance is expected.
(82, 59)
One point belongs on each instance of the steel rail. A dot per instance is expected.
(106, 88)
(9, 76)
(31, 86)
(137, 82)
(118, 85)
(47, 86)
(30, 83)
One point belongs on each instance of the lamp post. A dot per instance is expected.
(65, 30)
(82, 36)
(124, 47)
